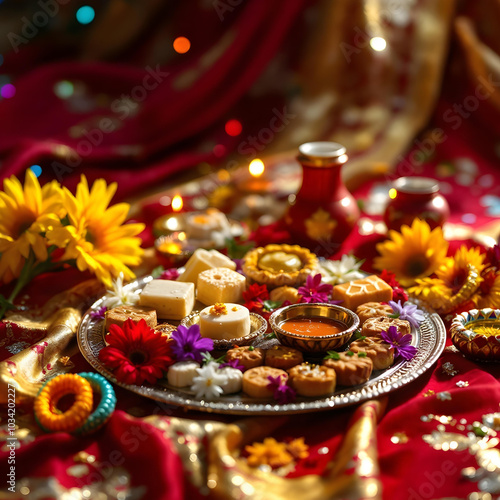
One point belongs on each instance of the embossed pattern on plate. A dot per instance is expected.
(430, 340)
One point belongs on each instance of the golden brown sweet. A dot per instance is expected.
(284, 293)
(374, 326)
(357, 292)
(351, 368)
(248, 356)
(280, 356)
(380, 352)
(118, 315)
(373, 310)
(255, 381)
(165, 329)
(279, 265)
(312, 380)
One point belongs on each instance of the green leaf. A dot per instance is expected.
(361, 354)
(237, 250)
(332, 355)
(5, 304)
(270, 305)
(207, 358)
(478, 431)
(156, 272)
(271, 335)
(349, 353)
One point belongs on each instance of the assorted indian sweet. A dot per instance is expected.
(312, 380)
(220, 285)
(118, 315)
(225, 321)
(246, 356)
(171, 299)
(373, 326)
(202, 260)
(380, 352)
(280, 356)
(279, 265)
(285, 294)
(373, 310)
(357, 292)
(351, 368)
(209, 226)
(186, 355)
(256, 381)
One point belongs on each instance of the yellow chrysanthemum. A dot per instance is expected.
(26, 213)
(96, 236)
(432, 291)
(414, 253)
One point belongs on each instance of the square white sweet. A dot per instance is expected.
(171, 299)
(220, 285)
(203, 260)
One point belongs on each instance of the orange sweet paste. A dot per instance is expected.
(313, 327)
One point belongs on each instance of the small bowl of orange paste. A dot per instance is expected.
(314, 328)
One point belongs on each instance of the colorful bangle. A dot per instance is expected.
(105, 407)
(49, 417)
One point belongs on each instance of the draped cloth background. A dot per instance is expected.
(138, 113)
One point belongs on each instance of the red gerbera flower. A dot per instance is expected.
(255, 296)
(136, 353)
(390, 278)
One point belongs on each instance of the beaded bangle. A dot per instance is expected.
(105, 407)
(49, 417)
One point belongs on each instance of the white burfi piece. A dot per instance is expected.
(171, 299)
(232, 324)
(203, 260)
(182, 373)
(220, 285)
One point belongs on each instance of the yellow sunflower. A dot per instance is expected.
(414, 253)
(488, 294)
(96, 236)
(455, 283)
(454, 271)
(25, 214)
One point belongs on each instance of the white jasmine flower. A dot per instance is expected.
(119, 295)
(209, 382)
(336, 272)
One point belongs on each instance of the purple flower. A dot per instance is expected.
(399, 342)
(409, 312)
(314, 291)
(99, 314)
(234, 363)
(189, 344)
(169, 274)
(283, 393)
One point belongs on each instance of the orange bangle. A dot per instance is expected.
(46, 413)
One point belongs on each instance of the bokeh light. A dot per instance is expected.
(85, 14)
(36, 169)
(378, 43)
(219, 150)
(256, 167)
(177, 203)
(392, 193)
(181, 45)
(233, 128)
(8, 91)
(64, 89)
